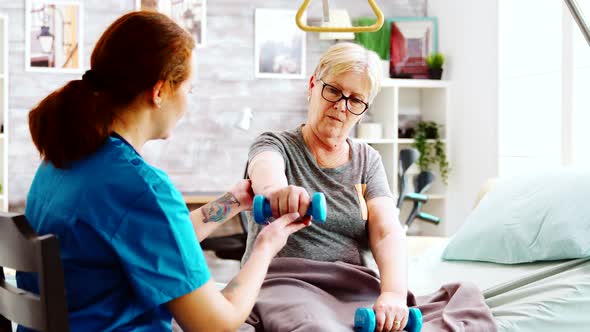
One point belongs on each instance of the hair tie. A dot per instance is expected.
(92, 79)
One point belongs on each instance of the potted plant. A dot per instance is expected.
(431, 153)
(435, 62)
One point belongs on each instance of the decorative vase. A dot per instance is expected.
(435, 73)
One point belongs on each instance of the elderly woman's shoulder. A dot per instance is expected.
(363, 149)
(283, 136)
(361, 146)
(280, 133)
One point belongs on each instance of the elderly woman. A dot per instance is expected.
(319, 156)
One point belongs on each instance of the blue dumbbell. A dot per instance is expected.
(364, 320)
(317, 209)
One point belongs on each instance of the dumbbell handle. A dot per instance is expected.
(317, 209)
(364, 320)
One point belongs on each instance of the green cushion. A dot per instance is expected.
(528, 218)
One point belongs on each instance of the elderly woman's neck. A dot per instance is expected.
(328, 152)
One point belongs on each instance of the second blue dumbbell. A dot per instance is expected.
(364, 320)
(317, 209)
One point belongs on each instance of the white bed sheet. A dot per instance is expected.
(427, 271)
(554, 299)
(532, 297)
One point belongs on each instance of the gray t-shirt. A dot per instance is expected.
(343, 237)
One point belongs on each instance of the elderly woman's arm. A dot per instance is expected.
(267, 172)
(388, 244)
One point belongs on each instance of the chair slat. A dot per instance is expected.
(21, 306)
(18, 251)
(23, 250)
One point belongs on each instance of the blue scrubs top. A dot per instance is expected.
(126, 240)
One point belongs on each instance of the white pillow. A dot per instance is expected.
(528, 218)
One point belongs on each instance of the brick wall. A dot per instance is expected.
(207, 151)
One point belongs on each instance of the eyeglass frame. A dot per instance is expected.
(342, 96)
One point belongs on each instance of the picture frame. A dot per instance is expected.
(189, 14)
(412, 40)
(54, 36)
(279, 46)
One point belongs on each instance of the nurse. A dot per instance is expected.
(129, 246)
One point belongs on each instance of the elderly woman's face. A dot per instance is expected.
(332, 119)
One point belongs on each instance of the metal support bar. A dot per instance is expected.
(577, 15)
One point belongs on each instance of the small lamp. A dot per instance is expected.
(46, 39)
(338, 18)
(245, 119)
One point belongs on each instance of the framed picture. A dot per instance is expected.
(279, 46)
(53, 36)
(412, 40)
(189, 14)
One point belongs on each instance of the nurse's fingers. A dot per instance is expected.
(289, 223)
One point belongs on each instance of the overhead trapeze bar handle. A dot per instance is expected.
(370, 28)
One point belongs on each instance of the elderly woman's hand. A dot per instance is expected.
(287, 200)
(391, 312)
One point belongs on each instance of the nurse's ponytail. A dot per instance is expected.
(132, 55)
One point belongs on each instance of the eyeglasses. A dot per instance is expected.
(334, 95)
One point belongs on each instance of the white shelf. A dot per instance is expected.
(414, 83)
(374, 141)
(430, 100)
(411, 140)
(390, 140)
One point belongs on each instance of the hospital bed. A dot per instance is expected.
(537, 296)
(540, 296)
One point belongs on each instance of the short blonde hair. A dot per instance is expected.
(350, 57)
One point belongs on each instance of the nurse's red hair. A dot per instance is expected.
(133, 54)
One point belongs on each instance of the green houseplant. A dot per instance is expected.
(431, 153)
(435, 62)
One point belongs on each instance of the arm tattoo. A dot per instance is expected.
(218, 210)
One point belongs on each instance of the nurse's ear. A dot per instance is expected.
(156, 94)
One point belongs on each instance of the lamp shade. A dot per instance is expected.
(338, 18)
(45, 39)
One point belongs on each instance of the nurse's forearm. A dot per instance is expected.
(208, 309)
(210, 216)
(243, 290)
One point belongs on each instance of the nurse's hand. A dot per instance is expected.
(289, 199)
(242, 191)
(273, 237)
